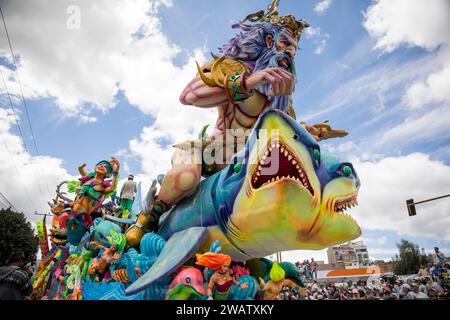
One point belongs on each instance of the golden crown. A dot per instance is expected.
(272, 16)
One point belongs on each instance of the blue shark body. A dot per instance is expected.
(254, 214)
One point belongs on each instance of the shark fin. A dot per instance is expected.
(178, 249)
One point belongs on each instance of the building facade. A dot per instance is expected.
(351, 255)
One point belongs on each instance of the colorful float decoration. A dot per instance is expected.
(278, 191)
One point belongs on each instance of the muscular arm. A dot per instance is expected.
(198, 94)
(82, 170)
(289, 283)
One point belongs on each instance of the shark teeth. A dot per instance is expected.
(341, 206)
(288, 167)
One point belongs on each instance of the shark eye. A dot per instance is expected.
(188, 280)
(316, 154)
(347, 171)
(295, 137)
(237, 167)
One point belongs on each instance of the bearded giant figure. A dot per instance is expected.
(255, 72)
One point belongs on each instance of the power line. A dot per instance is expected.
(21, 92)
(17, 170)
(10, 204)
(21, 136)
(14, 111)
(3, 205)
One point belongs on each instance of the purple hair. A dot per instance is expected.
(249, 45)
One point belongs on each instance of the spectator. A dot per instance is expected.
(397, 286)
(343, 294)
(308, 270)
(15, 283)
(423, 286)
(333, 294)
(438, 257)
(417, 294)
(423, 271)
(435, 290)
(127, 196)
(355, 294)
(315, 287)
(313, 267)
(406, 292)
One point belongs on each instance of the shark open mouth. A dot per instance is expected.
(289, 167)
(341, 205)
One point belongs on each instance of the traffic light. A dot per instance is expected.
(411, 207)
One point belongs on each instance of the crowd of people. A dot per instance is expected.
(430, 282)
(307, 269)
(383, 288)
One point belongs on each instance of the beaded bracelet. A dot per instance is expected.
(234, 86)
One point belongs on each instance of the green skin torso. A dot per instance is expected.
(91, 193)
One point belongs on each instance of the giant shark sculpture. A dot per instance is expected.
(279, 193)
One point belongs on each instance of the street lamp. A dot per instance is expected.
(411, 205)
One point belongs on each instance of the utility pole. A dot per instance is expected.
(42, 214)
(279, 258)
(411, 205)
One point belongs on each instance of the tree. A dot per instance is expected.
(409, 259)
(16, 233)
(424, 260)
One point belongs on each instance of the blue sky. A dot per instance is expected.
(352, 70)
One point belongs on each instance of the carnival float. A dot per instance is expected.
(258, 184)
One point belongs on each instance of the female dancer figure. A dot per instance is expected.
(222, 279)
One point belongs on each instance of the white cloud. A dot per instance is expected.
(387, 184)
(322, 6)
(321, 46)
(367, 240)
(417, 127)
(311, 32)
(119, 46)
(377, 85)
(301, 255)
(415, 23)
(173, 123)
(435, 88)
(388, 253)
(319, 39)
(27, 181)
(411, 22)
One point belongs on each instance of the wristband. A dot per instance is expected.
(235, 88)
